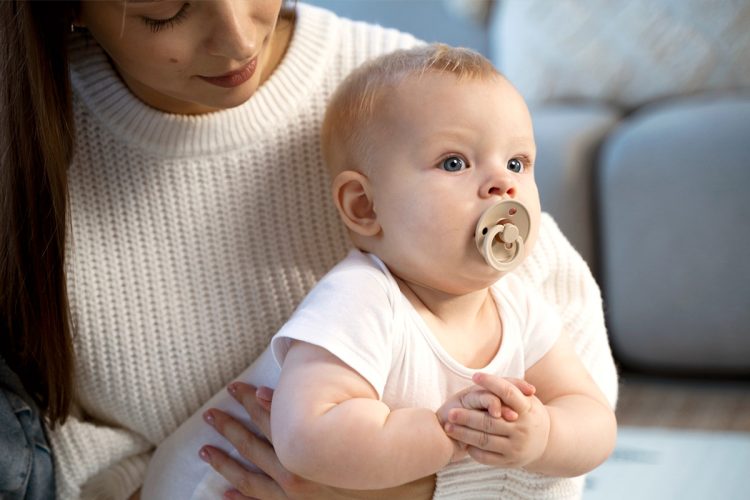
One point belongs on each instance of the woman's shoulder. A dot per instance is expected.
(352, 42)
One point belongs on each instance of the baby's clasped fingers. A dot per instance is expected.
(481, 399)
(476, 429)
(480, 421)
(514, 393)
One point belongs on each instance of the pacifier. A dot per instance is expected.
(501, 232)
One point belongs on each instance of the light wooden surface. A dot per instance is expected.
(684, 403)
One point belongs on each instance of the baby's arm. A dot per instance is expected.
(329, 426)
(566, 429)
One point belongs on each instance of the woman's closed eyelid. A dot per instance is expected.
(156, 25)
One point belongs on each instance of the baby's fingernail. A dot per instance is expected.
(209, 417)
(448, 428)
(204, 454)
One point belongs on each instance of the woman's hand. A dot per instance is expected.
(275, 481)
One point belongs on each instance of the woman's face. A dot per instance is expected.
(189, 57)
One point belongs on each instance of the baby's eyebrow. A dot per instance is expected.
(522, 142)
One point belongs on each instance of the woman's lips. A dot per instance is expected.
(233, 78)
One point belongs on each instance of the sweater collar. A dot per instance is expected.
(100, 89)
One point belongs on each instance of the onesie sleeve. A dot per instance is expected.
(349, 313)
(543, 327)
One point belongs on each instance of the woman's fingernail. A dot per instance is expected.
(209, 417)
(232, 388)
(204, 454)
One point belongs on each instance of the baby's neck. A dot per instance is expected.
(468, 326)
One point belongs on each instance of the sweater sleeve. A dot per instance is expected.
(564, 279)
(96, 461)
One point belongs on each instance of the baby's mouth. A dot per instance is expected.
(500, 234)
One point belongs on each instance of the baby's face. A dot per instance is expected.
(448, 150)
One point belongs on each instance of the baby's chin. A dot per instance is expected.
(465, 283)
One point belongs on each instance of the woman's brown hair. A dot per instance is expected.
(36, 145)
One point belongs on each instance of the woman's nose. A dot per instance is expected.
(499, 182)
(233, 34)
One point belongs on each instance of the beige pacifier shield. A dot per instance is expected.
(501, 232)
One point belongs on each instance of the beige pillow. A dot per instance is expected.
(624, 51)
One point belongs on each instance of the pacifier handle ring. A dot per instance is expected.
(517, 247)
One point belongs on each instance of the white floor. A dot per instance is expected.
(662, 464)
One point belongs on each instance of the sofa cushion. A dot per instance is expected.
(674, 222)
(625, 53)
(567, 138)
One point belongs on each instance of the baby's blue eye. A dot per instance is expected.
(515, 165)
(453, 164)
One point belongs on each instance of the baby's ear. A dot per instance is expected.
(352, 195)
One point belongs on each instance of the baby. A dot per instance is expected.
(419, 349)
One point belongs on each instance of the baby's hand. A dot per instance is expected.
(481, 402)
(495, 440)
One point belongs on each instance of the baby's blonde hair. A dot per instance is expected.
(355, 101)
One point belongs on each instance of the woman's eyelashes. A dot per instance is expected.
(156, 25)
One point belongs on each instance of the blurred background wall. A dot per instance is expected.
(455, 22)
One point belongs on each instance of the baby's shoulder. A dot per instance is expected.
(359, 274)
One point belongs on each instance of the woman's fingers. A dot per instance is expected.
(264, 395)
(258, 407)
(248, 484)
(253, 448)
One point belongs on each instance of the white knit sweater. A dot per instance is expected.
(194, 237)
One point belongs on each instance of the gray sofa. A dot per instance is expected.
(642, 118)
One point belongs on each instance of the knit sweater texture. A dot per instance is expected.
(193, 238)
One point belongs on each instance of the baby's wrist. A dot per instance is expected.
(449, 446)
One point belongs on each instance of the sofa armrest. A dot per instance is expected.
(675, 219)
(567, 138)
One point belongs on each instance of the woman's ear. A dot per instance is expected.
(353, 198)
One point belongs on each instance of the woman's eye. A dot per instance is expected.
(453, 164)
(515, 165)
(156, 25)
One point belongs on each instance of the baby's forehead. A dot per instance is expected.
(429, 79)
(417, 88)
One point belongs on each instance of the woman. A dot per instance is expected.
(182, 156)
